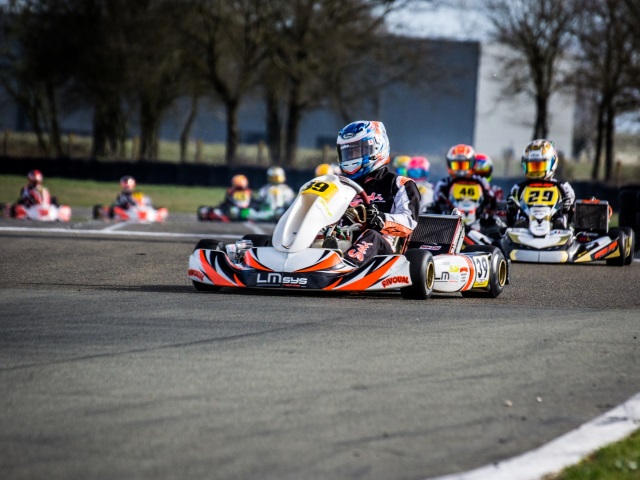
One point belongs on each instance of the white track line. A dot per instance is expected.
(118, 233)
(564, 451)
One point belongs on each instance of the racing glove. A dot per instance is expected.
(375, 219)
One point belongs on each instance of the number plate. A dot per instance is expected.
(482, 271)
(324, 190)
(540, 195)
(471, 191)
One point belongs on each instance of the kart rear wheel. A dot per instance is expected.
(422, 270)
(499, 272)
(621, 233)
(631, 244)
(258, 240)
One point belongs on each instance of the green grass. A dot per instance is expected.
(86, 193)
(619, 461)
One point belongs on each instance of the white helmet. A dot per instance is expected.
(363, 147)
(275, 175)
(540, 159)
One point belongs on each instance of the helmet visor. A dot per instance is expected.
(537, 166)
(460, 165)
(402, 171)
(356, 150)
(417, 173)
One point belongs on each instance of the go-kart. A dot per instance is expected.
(273, 204)
(142, 211)
(236, 209)
(466, 198)
(299, 255)
(534, 239)
(46, 209)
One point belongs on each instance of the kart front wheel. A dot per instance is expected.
(209, 244)
(499, 272)
(258, 240)
(422, 270)
(205, 287)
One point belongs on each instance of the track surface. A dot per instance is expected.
(113, 366)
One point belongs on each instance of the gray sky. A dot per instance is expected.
(456, 19)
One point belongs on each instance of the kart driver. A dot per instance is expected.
(33, 193)
(539, 162)
(125, 198)
(275, 178)
(461, 160)
(363, 153)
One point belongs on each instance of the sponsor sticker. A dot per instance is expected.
(195, 273)
(395, 280)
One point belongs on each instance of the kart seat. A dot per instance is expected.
(438, 233)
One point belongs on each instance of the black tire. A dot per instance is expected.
(202, 214)
(620, 233)
(628, 201)
(258, 240)
(631, 244)
(422, 270)
(97, 212)
(499, 272)
(210, 244)
(205, 287)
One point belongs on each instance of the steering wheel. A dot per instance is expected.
(359, 190)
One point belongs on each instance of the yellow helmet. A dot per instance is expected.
(323, 169)
(400, 164)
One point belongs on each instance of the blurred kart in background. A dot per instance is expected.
(46, 209)
(142, 211)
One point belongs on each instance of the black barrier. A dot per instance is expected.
(192, 174)
(146, 172)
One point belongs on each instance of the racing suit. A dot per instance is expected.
(31, 195)
(125, 200)
(561, 220)
(398, 202)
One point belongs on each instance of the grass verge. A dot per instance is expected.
(86, 193)
(618, 461)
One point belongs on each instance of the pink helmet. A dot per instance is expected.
(418, 168)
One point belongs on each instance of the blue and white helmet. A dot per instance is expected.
(363, 147)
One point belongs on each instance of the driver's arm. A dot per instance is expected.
(403, 218)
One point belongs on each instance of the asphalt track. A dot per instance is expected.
(113, 366)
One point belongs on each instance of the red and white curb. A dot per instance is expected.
(564, 451)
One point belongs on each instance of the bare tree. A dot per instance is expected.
(606, 59)
(228, 48)
(38, 58)
(311, 46)
(538, 33)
